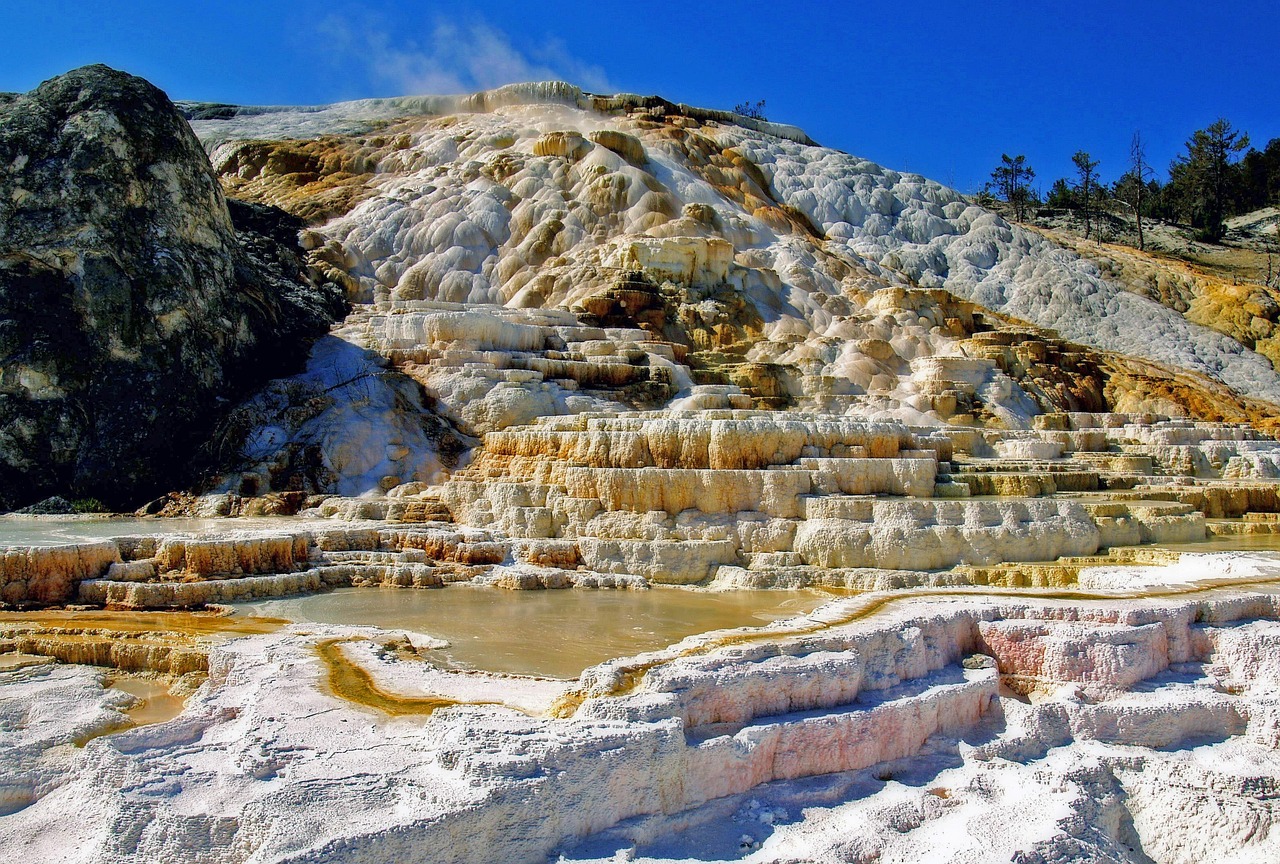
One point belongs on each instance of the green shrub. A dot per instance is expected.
(89, 505)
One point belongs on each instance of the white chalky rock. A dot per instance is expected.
(367, 423)
(44, 712)
(538, 197)
(928, 535)
(1058, 652)
(264, 747)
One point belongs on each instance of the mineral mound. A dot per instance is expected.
(612, 342)
(536, 250)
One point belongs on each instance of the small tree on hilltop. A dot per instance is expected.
(1086, 184)
(1012, 180)
(1132, 188)
(1060, 195)
(1204, 177)
(753, 110)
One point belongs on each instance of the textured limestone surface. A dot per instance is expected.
(45, 710)
(1246, 311)
(609, 342)
(722, 497)
(133, 302)
(795, 272)
(872, 729)
(536, 251)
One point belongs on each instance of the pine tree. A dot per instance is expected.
(1086, 185)
(1060, 195)
(1204, 176)
(1260, 176)
(1012, 179)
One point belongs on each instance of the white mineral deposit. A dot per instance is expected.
(724, 497)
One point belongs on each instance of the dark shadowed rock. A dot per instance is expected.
(54, 506)
(134, 306)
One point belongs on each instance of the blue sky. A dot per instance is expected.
(938, 88)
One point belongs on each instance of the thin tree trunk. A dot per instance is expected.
(1085, 205)
(1137, 211)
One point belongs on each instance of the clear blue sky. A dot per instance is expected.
(938, 88)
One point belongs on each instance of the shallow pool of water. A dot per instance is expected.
(1227, 543)
(156, 703)
(554, 634)
(61, 530)
(21, 661)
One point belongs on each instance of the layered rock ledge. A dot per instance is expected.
(863, 694)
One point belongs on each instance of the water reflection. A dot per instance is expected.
(555, 634)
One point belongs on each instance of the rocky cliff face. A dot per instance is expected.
(133, 302)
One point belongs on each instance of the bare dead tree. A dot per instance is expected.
(1273, 274)
(1142, 173)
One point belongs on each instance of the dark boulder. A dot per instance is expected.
(55, 506)
(135, 307)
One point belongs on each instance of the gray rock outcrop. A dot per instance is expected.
(135, 306)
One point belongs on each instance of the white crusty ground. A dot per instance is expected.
(1084, 801)
(265, 766)
(45, 709)
(1191, 568)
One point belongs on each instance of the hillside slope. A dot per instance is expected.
(791, 274)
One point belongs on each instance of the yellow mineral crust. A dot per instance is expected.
(170, 643)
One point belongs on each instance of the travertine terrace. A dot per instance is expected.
(614, 343)
(720, 497)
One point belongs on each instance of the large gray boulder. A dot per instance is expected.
(134, 309)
